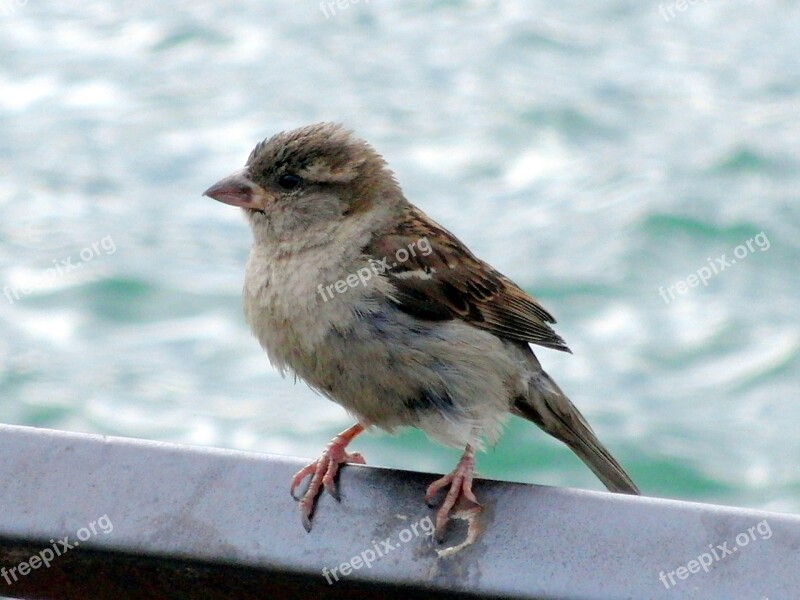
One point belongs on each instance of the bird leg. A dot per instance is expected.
(323, 471)
(460, 482)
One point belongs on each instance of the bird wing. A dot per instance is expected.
(437, 278)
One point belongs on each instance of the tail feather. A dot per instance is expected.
(548, 407)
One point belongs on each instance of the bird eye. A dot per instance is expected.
(288, 182)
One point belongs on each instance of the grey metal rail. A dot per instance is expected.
(94, 517)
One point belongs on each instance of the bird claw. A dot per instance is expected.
(300, 476)
(459, 497)
(323, 475)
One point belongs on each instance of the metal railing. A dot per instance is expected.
(91, 517)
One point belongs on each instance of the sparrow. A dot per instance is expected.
(360, 294)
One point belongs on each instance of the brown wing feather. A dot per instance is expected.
(450, 282)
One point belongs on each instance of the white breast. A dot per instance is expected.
(283, 306)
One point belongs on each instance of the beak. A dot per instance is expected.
(238, 190)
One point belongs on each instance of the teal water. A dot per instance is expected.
(596, 153)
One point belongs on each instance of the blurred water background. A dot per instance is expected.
(597, 153)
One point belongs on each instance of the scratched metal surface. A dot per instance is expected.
(233, 509)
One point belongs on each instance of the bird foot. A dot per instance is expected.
(323, 472)
(459, 496)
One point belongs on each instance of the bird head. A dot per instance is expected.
(311, 177)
